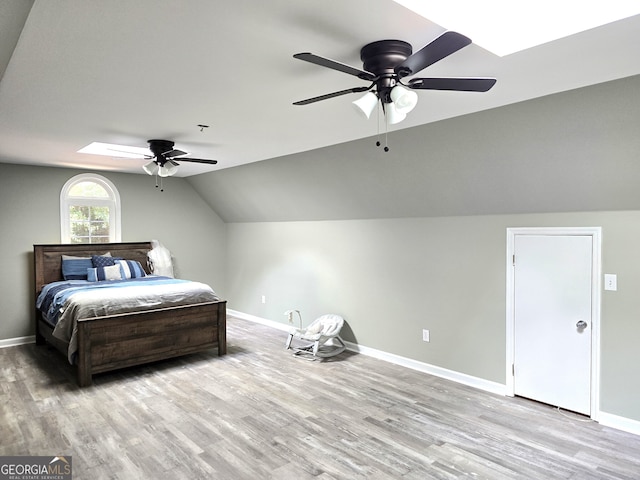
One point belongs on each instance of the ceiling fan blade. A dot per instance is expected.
(341, 67)
(441, 47)
(174, 153)
(458, 84)
(195, 160)
(331, 95)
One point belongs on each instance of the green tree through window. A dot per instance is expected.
(89, 224)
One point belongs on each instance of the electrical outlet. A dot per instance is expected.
(425, 336)
(610, 281)
(264, 299)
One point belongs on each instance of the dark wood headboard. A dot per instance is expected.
(47, 259)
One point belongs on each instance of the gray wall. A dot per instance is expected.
(392, 278)
(573, 151)
(30, 214)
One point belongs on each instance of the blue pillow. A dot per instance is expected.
(102, 261)
(75, 268)
(130, 268)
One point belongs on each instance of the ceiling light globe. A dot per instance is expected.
(392, 114)
(168, 169)
(404, 99)
(151, 168)
(366, 104)
(171, 167)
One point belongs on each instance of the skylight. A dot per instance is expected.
(114, 150)
(508, 26)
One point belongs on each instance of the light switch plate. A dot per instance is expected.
(610, 281)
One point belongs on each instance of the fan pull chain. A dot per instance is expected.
(378, 123)
(386, 136)
(386, 129)
(159, 186)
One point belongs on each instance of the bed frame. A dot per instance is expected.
(112, 342)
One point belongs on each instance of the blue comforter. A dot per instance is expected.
(54, 295)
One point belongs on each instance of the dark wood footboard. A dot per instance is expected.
(110, 343)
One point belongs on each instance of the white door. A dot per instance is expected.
(552, 319)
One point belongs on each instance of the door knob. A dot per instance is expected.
(581, 324)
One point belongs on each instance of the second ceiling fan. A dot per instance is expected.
(165, 158)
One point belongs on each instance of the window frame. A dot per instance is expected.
(112, 201)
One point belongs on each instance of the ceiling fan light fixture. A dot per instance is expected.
(404, 99)
(392, 114)
(366, 104)
(151, 168)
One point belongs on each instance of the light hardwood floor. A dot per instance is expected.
(261, 413)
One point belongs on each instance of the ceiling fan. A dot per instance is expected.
(386, 63)
(165, 156)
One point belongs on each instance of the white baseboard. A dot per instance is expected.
(260, 320)
(12, 342)
(458, 377)
(619, 423)
(434, 370)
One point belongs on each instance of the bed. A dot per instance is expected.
(109, 342)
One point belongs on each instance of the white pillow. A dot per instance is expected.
(111, 272)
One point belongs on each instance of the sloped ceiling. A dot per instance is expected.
(13, 15)
(567, 152)
(122, 72)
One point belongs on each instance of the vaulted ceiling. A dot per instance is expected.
(79, 71)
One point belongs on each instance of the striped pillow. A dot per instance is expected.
(130, 269)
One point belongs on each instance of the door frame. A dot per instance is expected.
(596, 293)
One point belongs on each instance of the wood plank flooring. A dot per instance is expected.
(261, 413)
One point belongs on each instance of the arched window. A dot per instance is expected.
(89, 210)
